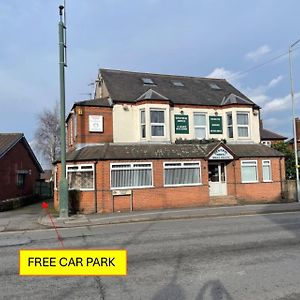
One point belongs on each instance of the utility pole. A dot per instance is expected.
(294, 121)
(63, 184)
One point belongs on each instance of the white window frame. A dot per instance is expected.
(143, 124)
(242, 125)
(201, 126)
(181, 165)
(81, 168)
(131, 167)
(229, 126)
(268, 163)
(157, 124)
(249, 161)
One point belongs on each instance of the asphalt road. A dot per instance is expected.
(245, 257)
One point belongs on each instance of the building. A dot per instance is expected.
(150, 141)
(269, 137)
(290, 142)
(19, 168)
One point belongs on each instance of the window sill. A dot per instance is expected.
(267, 181)
(132, 187)
(250, 182)
(182, 185)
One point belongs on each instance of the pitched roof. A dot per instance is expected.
(99, 102)
(128, 86)
(9, 140)
(166, 151)
(270, 135)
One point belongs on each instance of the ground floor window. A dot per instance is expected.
(249, 171)
(181, 173)
(130, 175)
(80, 177)
(267, 174)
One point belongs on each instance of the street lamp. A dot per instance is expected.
(294, 121)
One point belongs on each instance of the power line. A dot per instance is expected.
(261, 64)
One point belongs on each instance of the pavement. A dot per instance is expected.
(167, 214)
(34, 217)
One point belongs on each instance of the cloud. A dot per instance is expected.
(257, 54)
(280, 104)
(220, 72)
(275, 81)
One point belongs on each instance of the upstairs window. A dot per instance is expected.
(214, 86)
(157, 119)
(177, 83)
(229, 125)
(243, 124)
(200, 126)
(143, 124)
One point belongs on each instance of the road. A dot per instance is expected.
(244, 257)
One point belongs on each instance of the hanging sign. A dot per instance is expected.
(182, 124)
(215, 125)
(95, 123)
(221, 154)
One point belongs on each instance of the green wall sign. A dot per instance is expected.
(182, 124)
(215, 125)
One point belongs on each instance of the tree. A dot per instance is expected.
(47, 134)
(290, 171)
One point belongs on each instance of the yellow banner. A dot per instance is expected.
(66, 262)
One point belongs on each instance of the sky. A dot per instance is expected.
(245, 42)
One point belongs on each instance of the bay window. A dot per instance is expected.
(242, 124)
(157, 120)
(143, 124)
(229, 125)
(200, 126)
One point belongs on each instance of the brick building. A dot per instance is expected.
(19, 168)
(150, 141)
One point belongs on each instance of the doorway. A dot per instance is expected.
(217, 179)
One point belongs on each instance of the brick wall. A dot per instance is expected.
(83, 135)
(158, 197)
(18, 158)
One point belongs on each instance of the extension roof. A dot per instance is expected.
(167, 151)
(270, 135)
(126, 86)
(9, 140)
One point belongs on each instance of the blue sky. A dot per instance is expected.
(218, 38)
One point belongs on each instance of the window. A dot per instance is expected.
(75, 125)
(80, 177)
(249, 171)
(229, 125)
(267, 174)
(157, 119)
(21, 179)
(243, 124)
(214, 86)
(200, 125)
(71, 132)
(182, 173)
(130, 175)
(148, 81)
(177, 83)
(143, 124)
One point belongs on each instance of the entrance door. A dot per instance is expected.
(217, 179)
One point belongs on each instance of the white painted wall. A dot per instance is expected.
(126, 123)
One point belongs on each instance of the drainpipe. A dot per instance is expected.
(280, 173)
(95, 185)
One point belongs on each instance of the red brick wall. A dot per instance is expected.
(158, 197)
(83, 135)
(18, 158)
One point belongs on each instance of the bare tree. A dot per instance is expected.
(47, 134)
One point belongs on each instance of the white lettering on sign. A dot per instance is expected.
(221, 153)
(95, 123)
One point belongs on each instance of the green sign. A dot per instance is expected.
(215, 125)
(182, 124)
